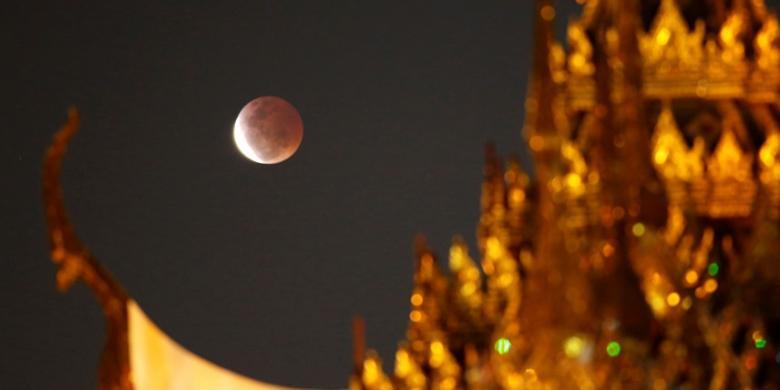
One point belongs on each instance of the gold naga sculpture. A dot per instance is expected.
(643, 252)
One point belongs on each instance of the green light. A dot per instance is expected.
(713, 269)
(760, 343)
(503, 345)
(573, 346)
(638, 229)
(613, 349)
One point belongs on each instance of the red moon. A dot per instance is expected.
(268, 130)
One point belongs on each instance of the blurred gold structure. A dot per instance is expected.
(645, 252)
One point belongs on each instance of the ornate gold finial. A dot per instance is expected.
(373, 376)
(725, 65)
(769, 166)
(444, 367)
(680, 63)
(676, 163)
(765, 78)
(503, 281)
(733, 51)
(671, 52)
(493, 200)
(407, 371)
(580, 59)
(575, 187)
(558, 63)
(727, 189)
(467, 278)
(517, 201)
(582, 87)
(767, 53)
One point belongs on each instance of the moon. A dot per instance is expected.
(268, 130)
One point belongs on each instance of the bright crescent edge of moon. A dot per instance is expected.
(239, 137)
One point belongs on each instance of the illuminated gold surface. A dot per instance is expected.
(627, 261)
(159, 363)
(642, 254)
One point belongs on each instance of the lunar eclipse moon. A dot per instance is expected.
(268, 130)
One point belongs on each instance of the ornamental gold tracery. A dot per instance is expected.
(556, 248)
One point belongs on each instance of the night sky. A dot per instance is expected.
(257, 268)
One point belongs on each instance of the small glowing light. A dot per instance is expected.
(660, 156)
(415, 316)
(417, 299)
(713, 269)
(468, 288)
(760, 343)
(370, 371)
(687, 303)
(437, 347)
(514, 380)
(503, 345)
(607, 250)
(750, 362)
(573, 181)
(663, 36)
(673, 299)
(691, 277)
(700, 293)
(427, 258)
(638, 229)
(710, 285)
(657, 303)
(573, 346)
(613, 349)
(547, 12)
(536, 143)
(517, 196)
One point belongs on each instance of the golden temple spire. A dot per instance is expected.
(408, 372)
(728, 188)
(518, 203)
(769, 163)
(675, 162)
(493, 202)
(539, 116)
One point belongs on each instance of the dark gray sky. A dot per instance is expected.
(257, 268)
